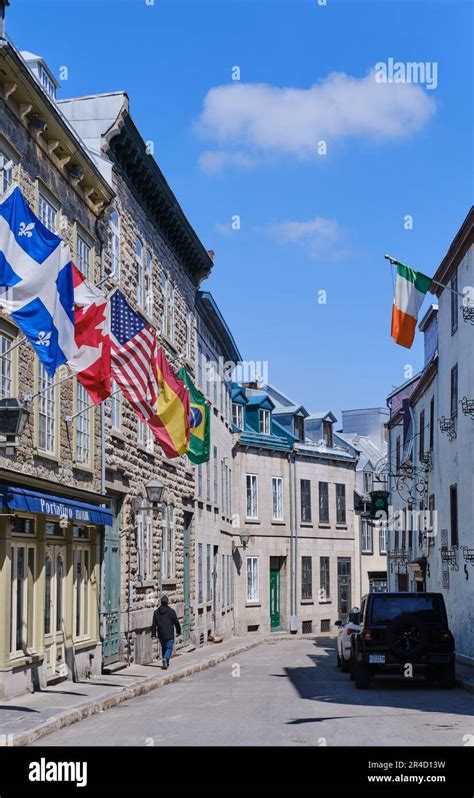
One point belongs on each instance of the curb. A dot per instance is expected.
(92, 707)
(465, 685)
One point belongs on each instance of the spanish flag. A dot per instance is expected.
(172, 409)
(199, 422)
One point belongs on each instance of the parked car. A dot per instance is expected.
(343, 640)
(400, 629)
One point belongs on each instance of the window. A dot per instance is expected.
(431, 523)
(208, 480)
(139, 272)
(83, 425)
(368, 481)
(228, 581)
(216, 379)
(454, 391)
(323, 503)
(167, 542)
(252, 496)
(216, 485)
(199, 366)
(453, 508)
(46, 411)
(46, 82)
(340, 504)
(264, 422)
(306, 578)
(397, 454)
(47, 594)
(383, 539)
(145, 435)
(199, 479)
(6, 171)
(230, 493)
(366, 537)
(208, 572)
(277, 498)
(454, 303)
(238, 416)
(115, 406)
(305, 486)
(208, 369)
(327, 433)
(147, 302)
(187, 339)
(299, 427)
(81, 592)
(115, 244)
(47, 212)
(199, 565)
(6, 379)
(324, 585)
(252, 579)
(145, 544)
(170, 332)
(164, 305)
(432, 423)
(422, 436)
(59, 592)
(22, 596)
(83, 255)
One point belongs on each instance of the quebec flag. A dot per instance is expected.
(36, 283)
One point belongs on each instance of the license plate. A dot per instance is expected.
(377, 658)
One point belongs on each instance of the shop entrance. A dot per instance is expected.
(54, 612)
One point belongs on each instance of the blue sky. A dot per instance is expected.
(308, 222)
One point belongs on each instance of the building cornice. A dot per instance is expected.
(128, 151)
(456, 252)
(425, 381)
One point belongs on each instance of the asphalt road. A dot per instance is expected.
(283, 693)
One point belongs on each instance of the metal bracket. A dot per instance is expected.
(448, 425)
(467, 406)
(449, 556)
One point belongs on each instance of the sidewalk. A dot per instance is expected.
(27, 718)
(32, 716)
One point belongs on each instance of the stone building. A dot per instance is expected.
(431, 448)
(294, 550)
(214, 571)
(53, 518)
(157, 260)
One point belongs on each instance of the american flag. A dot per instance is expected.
(134, 352)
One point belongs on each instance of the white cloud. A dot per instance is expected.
(248, 120)
(319, 237)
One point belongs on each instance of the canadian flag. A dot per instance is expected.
(91, 361)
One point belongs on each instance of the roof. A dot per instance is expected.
(428, 317)
(290, 410)
(321, 449)
(463, 239)
(369, 452)
(218, 326)
(321, 415)
(260, 399)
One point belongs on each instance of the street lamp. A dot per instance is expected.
(13, 417)
(244, 539)
(154, 491)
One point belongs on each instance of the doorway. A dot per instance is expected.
(54, 612)
(275, 593)
(187, 575)
(111, 588)
(344, 588)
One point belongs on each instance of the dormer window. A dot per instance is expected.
(368, 481)
(327, 433)
(46, 82)
(264, 422)
(238, 416)
(299, 427)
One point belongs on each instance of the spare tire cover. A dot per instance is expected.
(407, 636)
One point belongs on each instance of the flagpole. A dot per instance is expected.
(14, 346)
(28, 397)
(85, 409)
(394, 261)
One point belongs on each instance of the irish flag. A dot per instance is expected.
(410, 292)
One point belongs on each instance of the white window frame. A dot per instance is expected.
(83, 254)
(28, 603)
(115, 249)
(167, 542)
(48, 210)
(83, 595)
(366, 537)
(200, 595)
(139, 272)
(208, 573)
(252, 590)
(251, 493)
(7, 366)
(238, 415)
(188, 331)
(148, 284)
(83, 426)
(264, 422)
(277, 498)
(171, 308)
(46, 82)
(8, 161)
(47, 412)
(382, 538)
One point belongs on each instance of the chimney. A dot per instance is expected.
(3, 5)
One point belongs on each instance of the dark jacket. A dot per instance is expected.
(165, 621)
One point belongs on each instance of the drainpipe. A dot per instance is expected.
(290, 490)
(293, 542)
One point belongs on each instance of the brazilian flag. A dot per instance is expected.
(199, 422)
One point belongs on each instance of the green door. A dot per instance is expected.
(186, 576)
(111, 590)
(274, 598)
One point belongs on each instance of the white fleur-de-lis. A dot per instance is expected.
(26, 229)
(44, 339)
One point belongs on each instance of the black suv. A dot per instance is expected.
(397, 629)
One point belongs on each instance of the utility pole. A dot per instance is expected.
(3, 6)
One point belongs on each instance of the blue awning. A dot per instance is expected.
(14, 498)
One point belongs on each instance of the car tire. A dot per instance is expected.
(352, 668)
(345, 665)
(361, 676)
(447, 676)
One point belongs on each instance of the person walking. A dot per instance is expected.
(165, 621)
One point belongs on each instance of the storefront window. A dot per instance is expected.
(81, 532)
(59, 592)
(81, 592)
(23, 526)
(47, 595)
(22, 597)
(53, 528)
